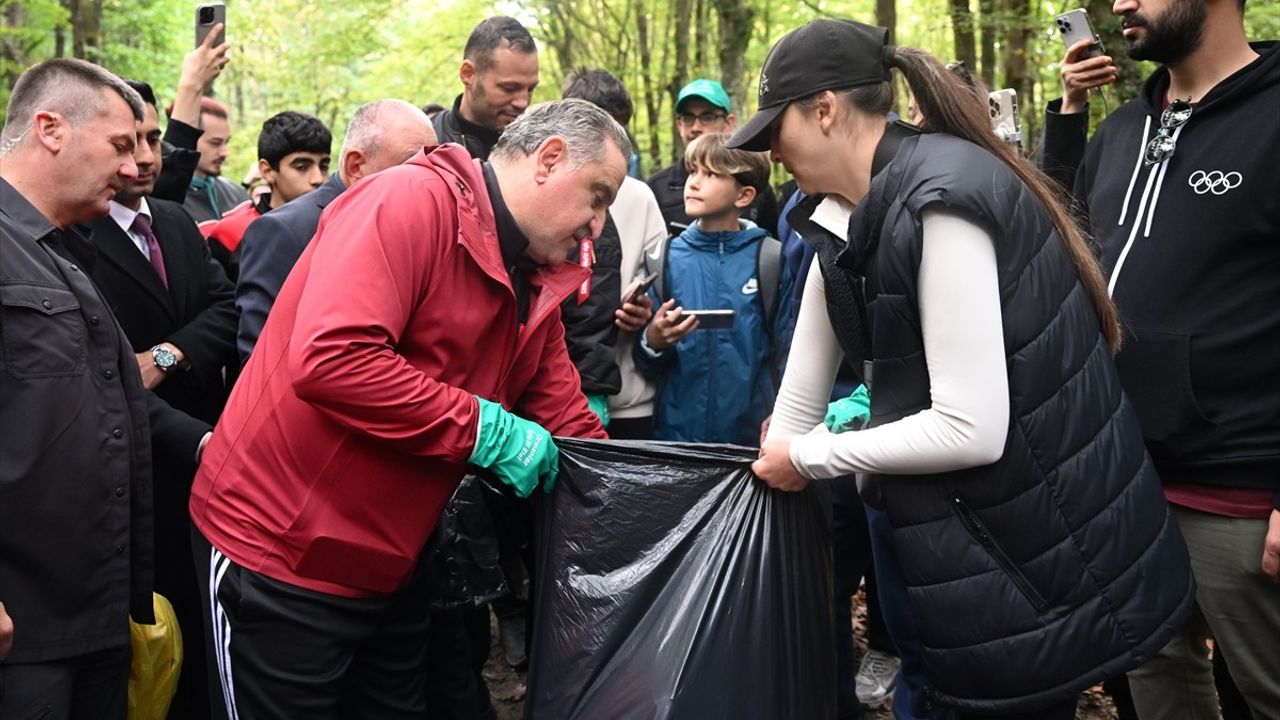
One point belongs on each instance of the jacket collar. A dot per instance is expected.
(728, 240)
(894, 133)
(511, 239)
(332, 188)
(1263, 72)
(22, 213)
(476, 138)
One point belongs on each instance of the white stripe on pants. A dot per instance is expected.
(218, 564)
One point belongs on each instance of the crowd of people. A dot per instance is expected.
(1045, 394)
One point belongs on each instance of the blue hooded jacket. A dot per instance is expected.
(719, 385)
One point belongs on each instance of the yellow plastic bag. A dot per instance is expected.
(157, 661)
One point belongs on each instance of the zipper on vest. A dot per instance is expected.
(973, 525)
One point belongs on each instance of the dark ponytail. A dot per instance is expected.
(948, 107)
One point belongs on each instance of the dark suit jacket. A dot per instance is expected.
(196, 312)
(271, 246)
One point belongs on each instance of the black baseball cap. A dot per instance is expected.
(822, 55)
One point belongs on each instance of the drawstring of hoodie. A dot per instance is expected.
(1146, 202)
(1137, 165)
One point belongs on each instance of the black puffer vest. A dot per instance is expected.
(1033, 578)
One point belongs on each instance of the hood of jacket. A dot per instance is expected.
(1262, 73)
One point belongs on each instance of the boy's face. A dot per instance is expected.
(299, 173)
(709, 194)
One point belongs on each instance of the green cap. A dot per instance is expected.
(709, 90)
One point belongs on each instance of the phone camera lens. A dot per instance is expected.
(206, 15)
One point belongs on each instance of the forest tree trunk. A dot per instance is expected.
(962, 30)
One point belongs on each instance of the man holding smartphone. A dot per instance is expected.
(1182, 204)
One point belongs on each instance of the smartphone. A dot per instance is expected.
(711, 319)
(638, 288)
(1003, 107)
(206, 17)
(1073, 27)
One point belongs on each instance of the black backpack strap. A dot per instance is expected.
(769, 275)
(769, 278)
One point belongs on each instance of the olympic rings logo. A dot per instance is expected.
(1214, 181)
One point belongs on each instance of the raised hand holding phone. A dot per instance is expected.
(211, 19)
(1085, 65)
(1081, 74)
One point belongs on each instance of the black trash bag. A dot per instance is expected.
(461, 560)
(671, 583)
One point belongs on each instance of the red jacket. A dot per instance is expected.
(354, 418)
(228, 231)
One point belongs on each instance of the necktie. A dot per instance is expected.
(142, 226)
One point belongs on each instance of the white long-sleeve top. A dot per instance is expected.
(960, 318)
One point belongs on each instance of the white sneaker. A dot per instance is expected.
(876, 678)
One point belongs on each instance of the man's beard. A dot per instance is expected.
(1170, 38)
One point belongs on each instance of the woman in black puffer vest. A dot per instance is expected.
(1031, 532)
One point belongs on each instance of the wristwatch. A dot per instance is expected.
(164, 358)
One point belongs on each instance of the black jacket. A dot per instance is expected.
(271, 246)
(588, 326)
(668, 187)
(75, 458)
(451, 127)
(1059, 565)
(181, 157)
(1191, 248)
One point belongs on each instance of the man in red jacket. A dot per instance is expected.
(418, 334)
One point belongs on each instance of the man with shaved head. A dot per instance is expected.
(381, 134)
(75, 461)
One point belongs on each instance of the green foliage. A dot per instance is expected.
(327, 57)
(146, 40)
(26, 37)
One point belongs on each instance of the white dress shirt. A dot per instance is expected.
(124, 217)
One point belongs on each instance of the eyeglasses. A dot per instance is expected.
(1164, 143)
(706, 118)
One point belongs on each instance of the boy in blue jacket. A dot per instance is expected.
(717, 385)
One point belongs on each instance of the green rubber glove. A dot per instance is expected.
(850, 413)
(599, 405)
(520, 452)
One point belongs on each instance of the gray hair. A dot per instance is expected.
(585, 128)
(365, 131)
(72, 88)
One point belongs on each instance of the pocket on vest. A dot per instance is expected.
(978, 531)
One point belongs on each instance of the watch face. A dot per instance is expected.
(165, 359)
